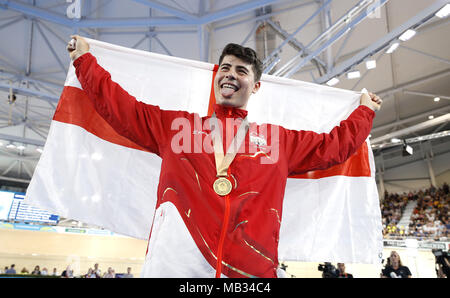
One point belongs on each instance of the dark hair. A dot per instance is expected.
(247, 55)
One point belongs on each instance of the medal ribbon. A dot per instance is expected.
(223, 162)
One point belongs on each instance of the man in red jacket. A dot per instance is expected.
(221, 187)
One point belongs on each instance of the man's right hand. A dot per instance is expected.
(77, 47)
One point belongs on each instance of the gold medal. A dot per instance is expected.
(222, 186)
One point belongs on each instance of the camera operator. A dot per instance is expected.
(341, 271)
(328, 270)
(442, 263)
(394, 268)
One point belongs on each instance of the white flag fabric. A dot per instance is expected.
(87, 174)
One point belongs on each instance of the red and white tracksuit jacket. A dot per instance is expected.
(195, 232)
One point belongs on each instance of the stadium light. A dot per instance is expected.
(392, 48)
(407, 35)
(444, 11)
(353, 75)
(371, 64)
(332, 82)
(407, 150)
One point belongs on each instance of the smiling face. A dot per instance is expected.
(234, 82)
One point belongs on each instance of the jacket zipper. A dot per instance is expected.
(222, 236)
(223, 232)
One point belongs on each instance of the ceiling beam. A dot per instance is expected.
(14, 76)
(63, 20)
(234, 10)
(426, 54)
(168, 10)
(132, 22)
(383, 42)
(409, 141)
(33, 11)
(12, 179)
(21, 140)
(340, 28)
(414, 128)
(399, 157)
(425, 94)
(30, 92)
(422, 115)
(289, 38)
(264, 17)
(435, 76)
(185, 20)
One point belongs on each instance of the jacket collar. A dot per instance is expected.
(229, 112)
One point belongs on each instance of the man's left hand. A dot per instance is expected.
(371, 100)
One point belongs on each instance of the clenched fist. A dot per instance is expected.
(77, 47)
(371, 100)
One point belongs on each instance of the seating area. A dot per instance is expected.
(429, 219)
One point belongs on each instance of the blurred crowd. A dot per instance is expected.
(94, 272)
(429, 219)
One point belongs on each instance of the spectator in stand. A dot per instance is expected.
(445, 188)
(55, 272)
(36, 271)
(392, 209)
(447, 224)
(11, 270)
(440, 230)
(24, 271)
(128, 274)
(394, 268)
(97, 271)
(110, 273)
(341, 271)
(68, 273)
(44, 271)
(429, 229)
(90, 274)
(432, 206)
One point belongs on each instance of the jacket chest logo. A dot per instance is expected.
(258, 140)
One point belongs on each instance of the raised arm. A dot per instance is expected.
(142, 123)
(307, 150)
